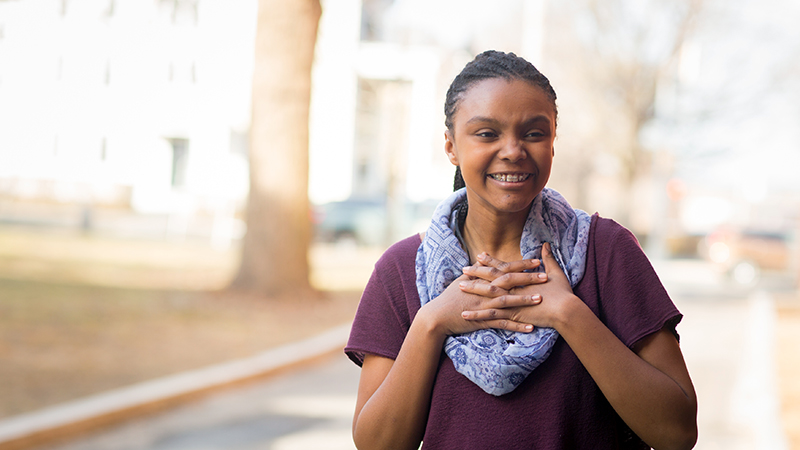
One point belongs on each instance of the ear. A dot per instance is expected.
(450, 148)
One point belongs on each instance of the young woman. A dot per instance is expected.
(516, 321)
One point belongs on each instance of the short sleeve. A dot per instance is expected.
(633, 302)
(383, 318)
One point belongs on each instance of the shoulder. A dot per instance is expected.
(606, 229)
(400, 253)
(624, 289)
(613, 246)
(608, 237)
(388, 304)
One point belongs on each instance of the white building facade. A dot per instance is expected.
(126, 103)
(145, 106)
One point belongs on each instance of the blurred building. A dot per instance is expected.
(126, 104)
(144, 107)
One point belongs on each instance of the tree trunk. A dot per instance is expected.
(275, 248)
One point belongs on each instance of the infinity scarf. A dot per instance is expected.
(499, 360)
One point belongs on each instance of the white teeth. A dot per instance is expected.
(510, 177)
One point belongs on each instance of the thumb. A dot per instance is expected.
(547, 252)
(549, 260)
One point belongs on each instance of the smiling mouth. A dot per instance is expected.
(510, 177)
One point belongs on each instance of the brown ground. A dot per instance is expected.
(81, 314)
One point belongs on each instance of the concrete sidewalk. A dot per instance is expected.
(728, 342)
(102, 410)
(728, 349)
(307, 407)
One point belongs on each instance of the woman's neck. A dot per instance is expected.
(498, 236)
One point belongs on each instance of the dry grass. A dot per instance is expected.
(82, 314)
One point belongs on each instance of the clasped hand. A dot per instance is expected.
(503, 295)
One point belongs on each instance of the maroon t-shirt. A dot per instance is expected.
(558, 406)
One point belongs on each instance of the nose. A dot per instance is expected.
(512, 150)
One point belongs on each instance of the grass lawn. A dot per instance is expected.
(83, 314)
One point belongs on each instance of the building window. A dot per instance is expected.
(181, 11)
(180, 160)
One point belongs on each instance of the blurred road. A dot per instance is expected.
(726, 337)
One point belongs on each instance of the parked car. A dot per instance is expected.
(361, 222)
(367, 222)
(744, 254)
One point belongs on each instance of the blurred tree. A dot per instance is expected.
(625, 48)
(274, 257)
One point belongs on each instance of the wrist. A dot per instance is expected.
(570, 312)
(426, 322)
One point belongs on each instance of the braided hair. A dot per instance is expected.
(487, 65)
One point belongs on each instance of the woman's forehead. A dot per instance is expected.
(489, 98)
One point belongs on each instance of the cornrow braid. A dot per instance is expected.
(458, 183)
(491, 64)
(458, 180)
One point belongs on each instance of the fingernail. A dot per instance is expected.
(542, 276)
(482, 256)
(536, 298)
(466, 269)
(528, 327)
(462, 284)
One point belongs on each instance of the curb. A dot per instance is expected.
(74, 417)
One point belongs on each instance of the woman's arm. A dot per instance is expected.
(394, 395)
(650, 388)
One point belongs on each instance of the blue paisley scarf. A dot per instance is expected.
(498, 360)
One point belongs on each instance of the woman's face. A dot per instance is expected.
(502, 139)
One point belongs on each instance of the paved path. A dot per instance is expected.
(307, 408)
(726, 338)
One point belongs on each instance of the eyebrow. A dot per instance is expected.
(531, 121)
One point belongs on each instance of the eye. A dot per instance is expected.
(535, 134)
(486, 134)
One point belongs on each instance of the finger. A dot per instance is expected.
(482, 288)
(504, 324)
(512, 301)
(492, 272)
(487, 273)
(511, 280)
(508, 267)
(502, 306)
